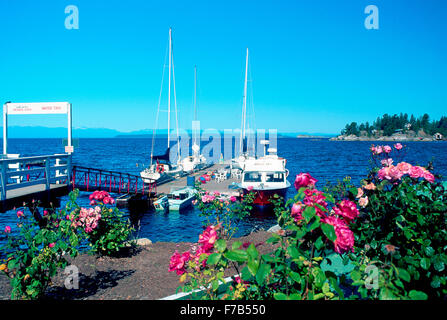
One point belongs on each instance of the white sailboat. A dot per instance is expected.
(197, 161)
(161, 169)
(239, 161)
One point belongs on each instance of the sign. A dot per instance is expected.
(69, 149)
(37, 108)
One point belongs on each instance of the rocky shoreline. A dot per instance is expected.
(395, 137)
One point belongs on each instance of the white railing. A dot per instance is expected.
(29, 171)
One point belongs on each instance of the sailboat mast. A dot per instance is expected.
(195, 102)
(244, 108)
(169, 84)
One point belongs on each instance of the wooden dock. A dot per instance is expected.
(212, 185)
(43, 179)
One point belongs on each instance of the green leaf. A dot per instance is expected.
(294, 296)
(308, 214)
(417, 295)
(263, 272)
(425, 263)
(319, 243)
(429, 251)
(356, 275)
(252, 251)
(220, 245)
(295, 276)
(404, 275)
(293, 252)
(253, 266)
(236, 255)
(236, 245)
(329, 231)
(279, 296)
(213, 258)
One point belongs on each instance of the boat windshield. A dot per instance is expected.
(252, 177)
(274, 177)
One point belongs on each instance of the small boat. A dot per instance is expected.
(162, 204)
(266, 176)
(182, 198)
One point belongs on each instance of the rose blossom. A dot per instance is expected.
(20, 214)
(387, 149)
(370, 186)
(363, 201)
(429, 176)
(177, 262)
(398, 146)
(346, 209)
(304, 180)
(359, 192)
(297, 210)
(404, 167)
(387, 162)
(416, 172)
(7, 229)
(345, 237)
(233, 199)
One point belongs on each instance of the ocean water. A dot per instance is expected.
(327, 161)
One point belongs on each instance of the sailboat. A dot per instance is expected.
(161, 169)
(197, 161)
(239, 161)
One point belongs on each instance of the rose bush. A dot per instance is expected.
(45, 239)
(390, 231)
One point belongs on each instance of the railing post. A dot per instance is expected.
(69, 170)
(47, 173)
(4, 180)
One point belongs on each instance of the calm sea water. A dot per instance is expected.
(325, 160)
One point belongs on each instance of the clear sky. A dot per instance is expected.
(314, 65)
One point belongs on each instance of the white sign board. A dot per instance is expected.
(69, 149)
(37, 108)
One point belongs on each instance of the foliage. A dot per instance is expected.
(42, 243)
(223, 210)
(104, 227)
(389, 234)
(39, 249)
(389, 124)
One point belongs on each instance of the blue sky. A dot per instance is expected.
(314, 65)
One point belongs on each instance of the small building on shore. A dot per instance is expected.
(438, 136)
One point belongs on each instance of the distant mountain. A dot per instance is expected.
(60, 132)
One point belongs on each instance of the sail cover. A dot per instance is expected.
(164, 157)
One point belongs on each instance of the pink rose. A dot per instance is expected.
(178, 261)
(233, 199)
(395, 173)
(387, 162)
(347, 209)
(51, 245)
(297, 210)
(45, 213)
(249, 188)
(345, 237)
(429, 176)
(359, 192)
(7, 229)
(20, 214)
(208, 238)
(387, 149)
(416, 172)
(363, 201)
(370, 186)
(378, 150)
(303, 180)
(404, 167)
(398, 146)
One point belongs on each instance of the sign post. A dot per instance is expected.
(36, 108)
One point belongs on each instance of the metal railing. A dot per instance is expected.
(24, 172)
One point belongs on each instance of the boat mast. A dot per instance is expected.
(195, 103)
(169, 84)
(244, 108)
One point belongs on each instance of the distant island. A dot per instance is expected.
(398, 127)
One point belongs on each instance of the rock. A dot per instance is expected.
(275, 229)
(143, 242)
